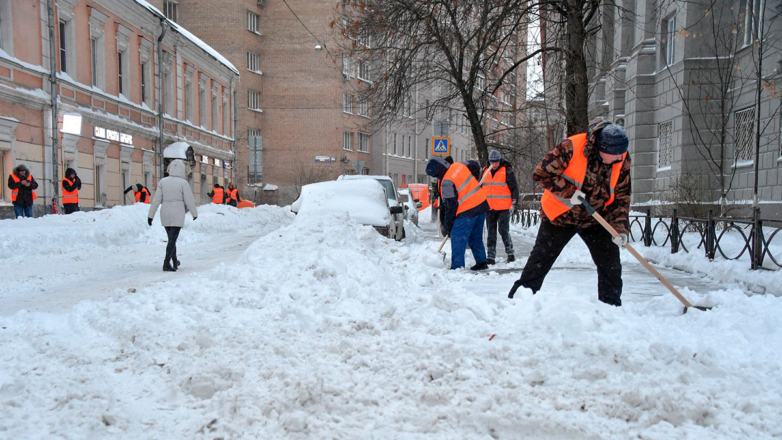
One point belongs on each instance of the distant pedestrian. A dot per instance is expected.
(232, 195)
(593, 167)
(140, 192)
(464, 204)
(71, 185)
(217, 194)
(22, 186)
(175, 199)
(499, 181)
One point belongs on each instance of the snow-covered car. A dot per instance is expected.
(364, 202)
(393, 199)
(411, 206)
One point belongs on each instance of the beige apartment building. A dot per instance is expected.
(107, 93)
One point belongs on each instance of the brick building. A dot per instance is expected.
(106, 64)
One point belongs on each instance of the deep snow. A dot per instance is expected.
(324, 329)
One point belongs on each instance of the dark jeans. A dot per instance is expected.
(23, 211)
(467, 231)
(549, 244)
(495, 219)
(173, 234)
(70, 208)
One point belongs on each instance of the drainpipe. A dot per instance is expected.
(53, 92)
(159, 79)
(415, 136)
(758, 91)
(233, 132)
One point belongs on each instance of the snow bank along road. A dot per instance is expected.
(323, 329)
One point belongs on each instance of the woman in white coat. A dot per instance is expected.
(176, 197)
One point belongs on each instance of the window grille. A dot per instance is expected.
(664, 144)
(253, 100)
(253, 62)
(745, 128)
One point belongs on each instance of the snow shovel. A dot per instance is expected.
(443, 244)
(641, 259)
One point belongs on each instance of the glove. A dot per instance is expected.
(513, 208)
(575, 199)
(620, 240)
(149, 220)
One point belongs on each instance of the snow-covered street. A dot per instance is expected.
(283, 326)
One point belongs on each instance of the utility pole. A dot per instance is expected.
(758, 91)
(53, 92)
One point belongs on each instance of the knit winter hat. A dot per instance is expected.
(612, 139)
(437, 167)
(494, 156)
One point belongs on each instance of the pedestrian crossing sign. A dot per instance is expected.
(441, 146)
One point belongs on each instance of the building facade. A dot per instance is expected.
(682, 77)
(107, 81)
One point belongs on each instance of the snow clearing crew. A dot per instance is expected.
(22, 186)
(595, 166)
(141, 193)
(71, 185)
(499, 181)
(176, 199)
(217, 194)
(464, 209)
(232, 195)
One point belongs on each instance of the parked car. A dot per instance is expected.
(411, 206)
(365, 202)
(393, 199)
(420, 192)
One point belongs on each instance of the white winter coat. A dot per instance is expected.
(175, 195)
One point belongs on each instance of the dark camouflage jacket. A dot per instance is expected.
(596, 187)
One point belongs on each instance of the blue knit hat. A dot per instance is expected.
(494, 156)
(612, 139)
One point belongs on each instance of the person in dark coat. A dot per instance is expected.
(499, 180)
(22, 185)
(71, 185)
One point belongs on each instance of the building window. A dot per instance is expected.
(144, 80)
(750, 10)
(252, 22)
(365, 71)
(347, 103)
(226, 113)
(363, 142)
(189, 98)
(170, 9)
(394, 149)
(363, 107)
(202, 104)
(94, 56)
(347, 137)
(253, 62)
(665, 145)
(254, 100)
(480, 82)
(6, 27)
(409, 146)
(119, 72)
(215, 112)
(255, 144)
(667, 41)
(347, 67)
(745, 130)
(63, 47)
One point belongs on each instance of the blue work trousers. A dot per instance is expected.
(23, 211)
(467, 231)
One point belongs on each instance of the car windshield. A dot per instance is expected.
(389, 187)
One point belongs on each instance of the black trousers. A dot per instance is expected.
(549, 244)
(498, 220)
(173, 234)
(70, 208)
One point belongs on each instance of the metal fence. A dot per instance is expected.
(755, 235)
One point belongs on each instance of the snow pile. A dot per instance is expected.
(362, 200)
(324, 329)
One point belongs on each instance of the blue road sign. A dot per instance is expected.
(441, 146)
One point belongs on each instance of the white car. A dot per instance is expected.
(396, 207)
(364, 202)
(411, 206)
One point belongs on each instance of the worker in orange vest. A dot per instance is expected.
(22, 186)
(593, 166)
(232, 195)
(71, 185)
(217, 194)
(141, 193)
(464, 209)
(499, 181)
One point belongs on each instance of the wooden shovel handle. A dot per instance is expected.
(445, 239)
(641, 259)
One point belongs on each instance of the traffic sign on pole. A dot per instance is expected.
(441, 146)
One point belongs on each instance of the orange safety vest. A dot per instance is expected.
(469, 192)
(232, 194)
(553, 205)
(139, 193)
(15, 192)
(218, 195)
(69, 196)
(498, 192)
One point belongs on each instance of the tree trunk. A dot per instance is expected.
(576, 85)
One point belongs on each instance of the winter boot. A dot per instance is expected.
(168, 268)
(176, 264)
(490, 261)
(480, 266)
(511, 258)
